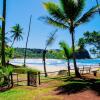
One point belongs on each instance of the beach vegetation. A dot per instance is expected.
(4, 75)
(93, 39)
(69, 15)
(16, 32)
(25, 54)
(23, 70)
(49, 42)
(67, 53)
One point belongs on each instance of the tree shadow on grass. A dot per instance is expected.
(79, 85)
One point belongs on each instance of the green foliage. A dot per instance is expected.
(4, 73)
(66, 12)
(23, 70)
(37, 53)
(16, 33)
(9, 53)
(67, 51)
(50, 39)
(93, 39)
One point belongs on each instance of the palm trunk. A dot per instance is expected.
(13, 43)
(98, 6)
(44, 63)
(74, 58)
(3, 35)
(68, 68)
(27, 41)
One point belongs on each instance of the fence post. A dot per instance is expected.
(28, 79)
(39, 77)
(12, 79)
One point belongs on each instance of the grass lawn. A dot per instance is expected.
(55, 88)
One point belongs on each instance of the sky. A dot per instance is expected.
(19, 11)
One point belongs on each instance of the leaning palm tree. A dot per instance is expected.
(68, 15)
(67, 53)
(16, 33)
(49, 42)
(27, 40)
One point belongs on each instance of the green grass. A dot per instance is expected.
(62, 83)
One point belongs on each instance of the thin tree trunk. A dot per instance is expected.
(74, 58)
(3, 35)
(13, 43)
(68, 68)
(27, 41)
(44, 63)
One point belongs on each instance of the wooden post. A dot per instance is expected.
(12, 79)
(17, 79)
(28, 79)
(39, 78)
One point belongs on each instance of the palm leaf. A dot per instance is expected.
(54, 22)
(66, 49)
(87, 16)
(51, 38)
(72, 8)
(54, 10)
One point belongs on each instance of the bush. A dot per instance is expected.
(4, 73)
(23, 70)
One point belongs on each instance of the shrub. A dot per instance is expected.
(23, 70)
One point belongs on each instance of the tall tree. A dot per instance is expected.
(68, 15)
(67, 53)
(27, 40)
(3, 34)
(49, 42)
(16, 33)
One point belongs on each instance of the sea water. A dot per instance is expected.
(55, 62)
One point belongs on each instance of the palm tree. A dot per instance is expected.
(3, 35)
(49, 42)
(68, 15)
(27, 40)
(16, 33)
(67, 53)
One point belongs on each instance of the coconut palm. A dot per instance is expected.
(67, 53)
(27, 40)
(68, 15)
(49, 42)
(16, 33)
(3, 34)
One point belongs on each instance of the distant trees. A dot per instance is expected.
(67, 53)
(67, 15)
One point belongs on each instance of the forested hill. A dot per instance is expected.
(37, 53)
(55, 54)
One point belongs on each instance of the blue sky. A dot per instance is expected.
(19, 11)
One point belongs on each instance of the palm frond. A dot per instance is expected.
(55, 11)
(51, 38)
(87, 16)
(53, 22)
(72, 8)
(66, 49)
